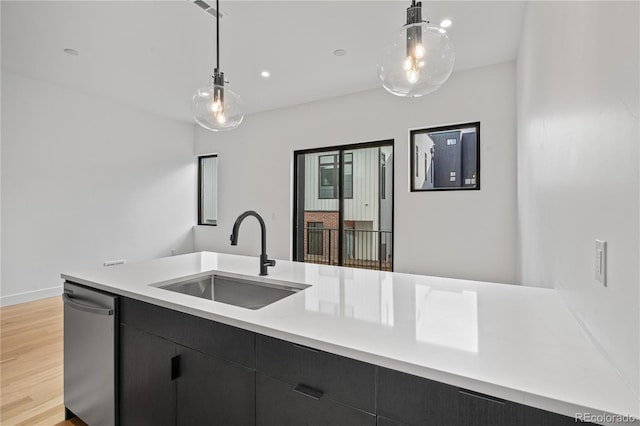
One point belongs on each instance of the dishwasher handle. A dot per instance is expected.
(70, 301)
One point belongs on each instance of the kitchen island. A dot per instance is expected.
(488, 351)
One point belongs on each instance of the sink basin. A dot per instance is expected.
(235, 291)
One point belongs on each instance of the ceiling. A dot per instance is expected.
(154, 54)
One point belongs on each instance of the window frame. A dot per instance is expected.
(200, 189)
(345, 162)
(297, 253)
(413, 151)
(334, 168)
(335, 165)
(383, 175)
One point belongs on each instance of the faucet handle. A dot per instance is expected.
(270, 262)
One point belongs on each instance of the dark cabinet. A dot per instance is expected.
(147, 391)
(524, 415)
(338, 378)
(383, 421)
(413, 400)
(164, 382)
(210, 388)
(209, 337)
(177, 369)
(408, 400)
(482, 410)
(282, 404)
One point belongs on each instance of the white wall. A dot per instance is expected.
(423, 145)
(84, 181)
(578, 164)
(467, 234)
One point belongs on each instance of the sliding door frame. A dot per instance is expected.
(341, 149)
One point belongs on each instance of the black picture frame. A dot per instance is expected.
(455, 147)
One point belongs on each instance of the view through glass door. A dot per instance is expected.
(344, 206)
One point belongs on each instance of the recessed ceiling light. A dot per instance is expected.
(265, 74)
(446, 23)
(72, 52)
(339, 52)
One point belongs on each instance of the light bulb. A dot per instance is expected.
(413, 76)
(221, 117)
(410, 68)
(217, 108)
(215, 105)
(407, 64)
(416, 60)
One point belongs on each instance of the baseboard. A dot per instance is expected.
(29, 296)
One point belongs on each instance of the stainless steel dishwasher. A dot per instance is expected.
(90, 341)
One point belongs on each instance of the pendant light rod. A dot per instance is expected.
(414, 13)
(215, 107)
(217, 36)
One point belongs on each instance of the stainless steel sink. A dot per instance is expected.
(235, 291)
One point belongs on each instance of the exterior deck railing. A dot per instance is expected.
(361, 248)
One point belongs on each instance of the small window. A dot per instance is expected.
(348, 175)
(208, 190)
(329, 180)
(451, 158)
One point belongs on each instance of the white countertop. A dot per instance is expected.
(517, 343)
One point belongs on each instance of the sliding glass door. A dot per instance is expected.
(343, 209)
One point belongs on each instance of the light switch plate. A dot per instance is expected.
(601, 262)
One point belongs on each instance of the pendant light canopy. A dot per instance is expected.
(216, 107)
(418, 59)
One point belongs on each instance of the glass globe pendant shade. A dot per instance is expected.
(416, 61)
(217, 108)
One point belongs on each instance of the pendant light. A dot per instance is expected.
(418, 59)
(216, 107)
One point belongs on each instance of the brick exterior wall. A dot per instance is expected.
(329, 220)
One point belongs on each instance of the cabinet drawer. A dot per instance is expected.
(524, 415)
(206, 336)
(341, 379)
(279, 404)
(412, 400)
(481, 410)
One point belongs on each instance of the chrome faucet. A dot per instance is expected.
(264, 260)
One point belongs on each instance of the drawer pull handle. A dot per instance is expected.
(175, 367)
(308, 391)
(73, 303)
(488, 398)
(306, 348)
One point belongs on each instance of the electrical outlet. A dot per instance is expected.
(601, 262)
(114, 262)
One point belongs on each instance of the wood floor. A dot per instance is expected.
(31, 387)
